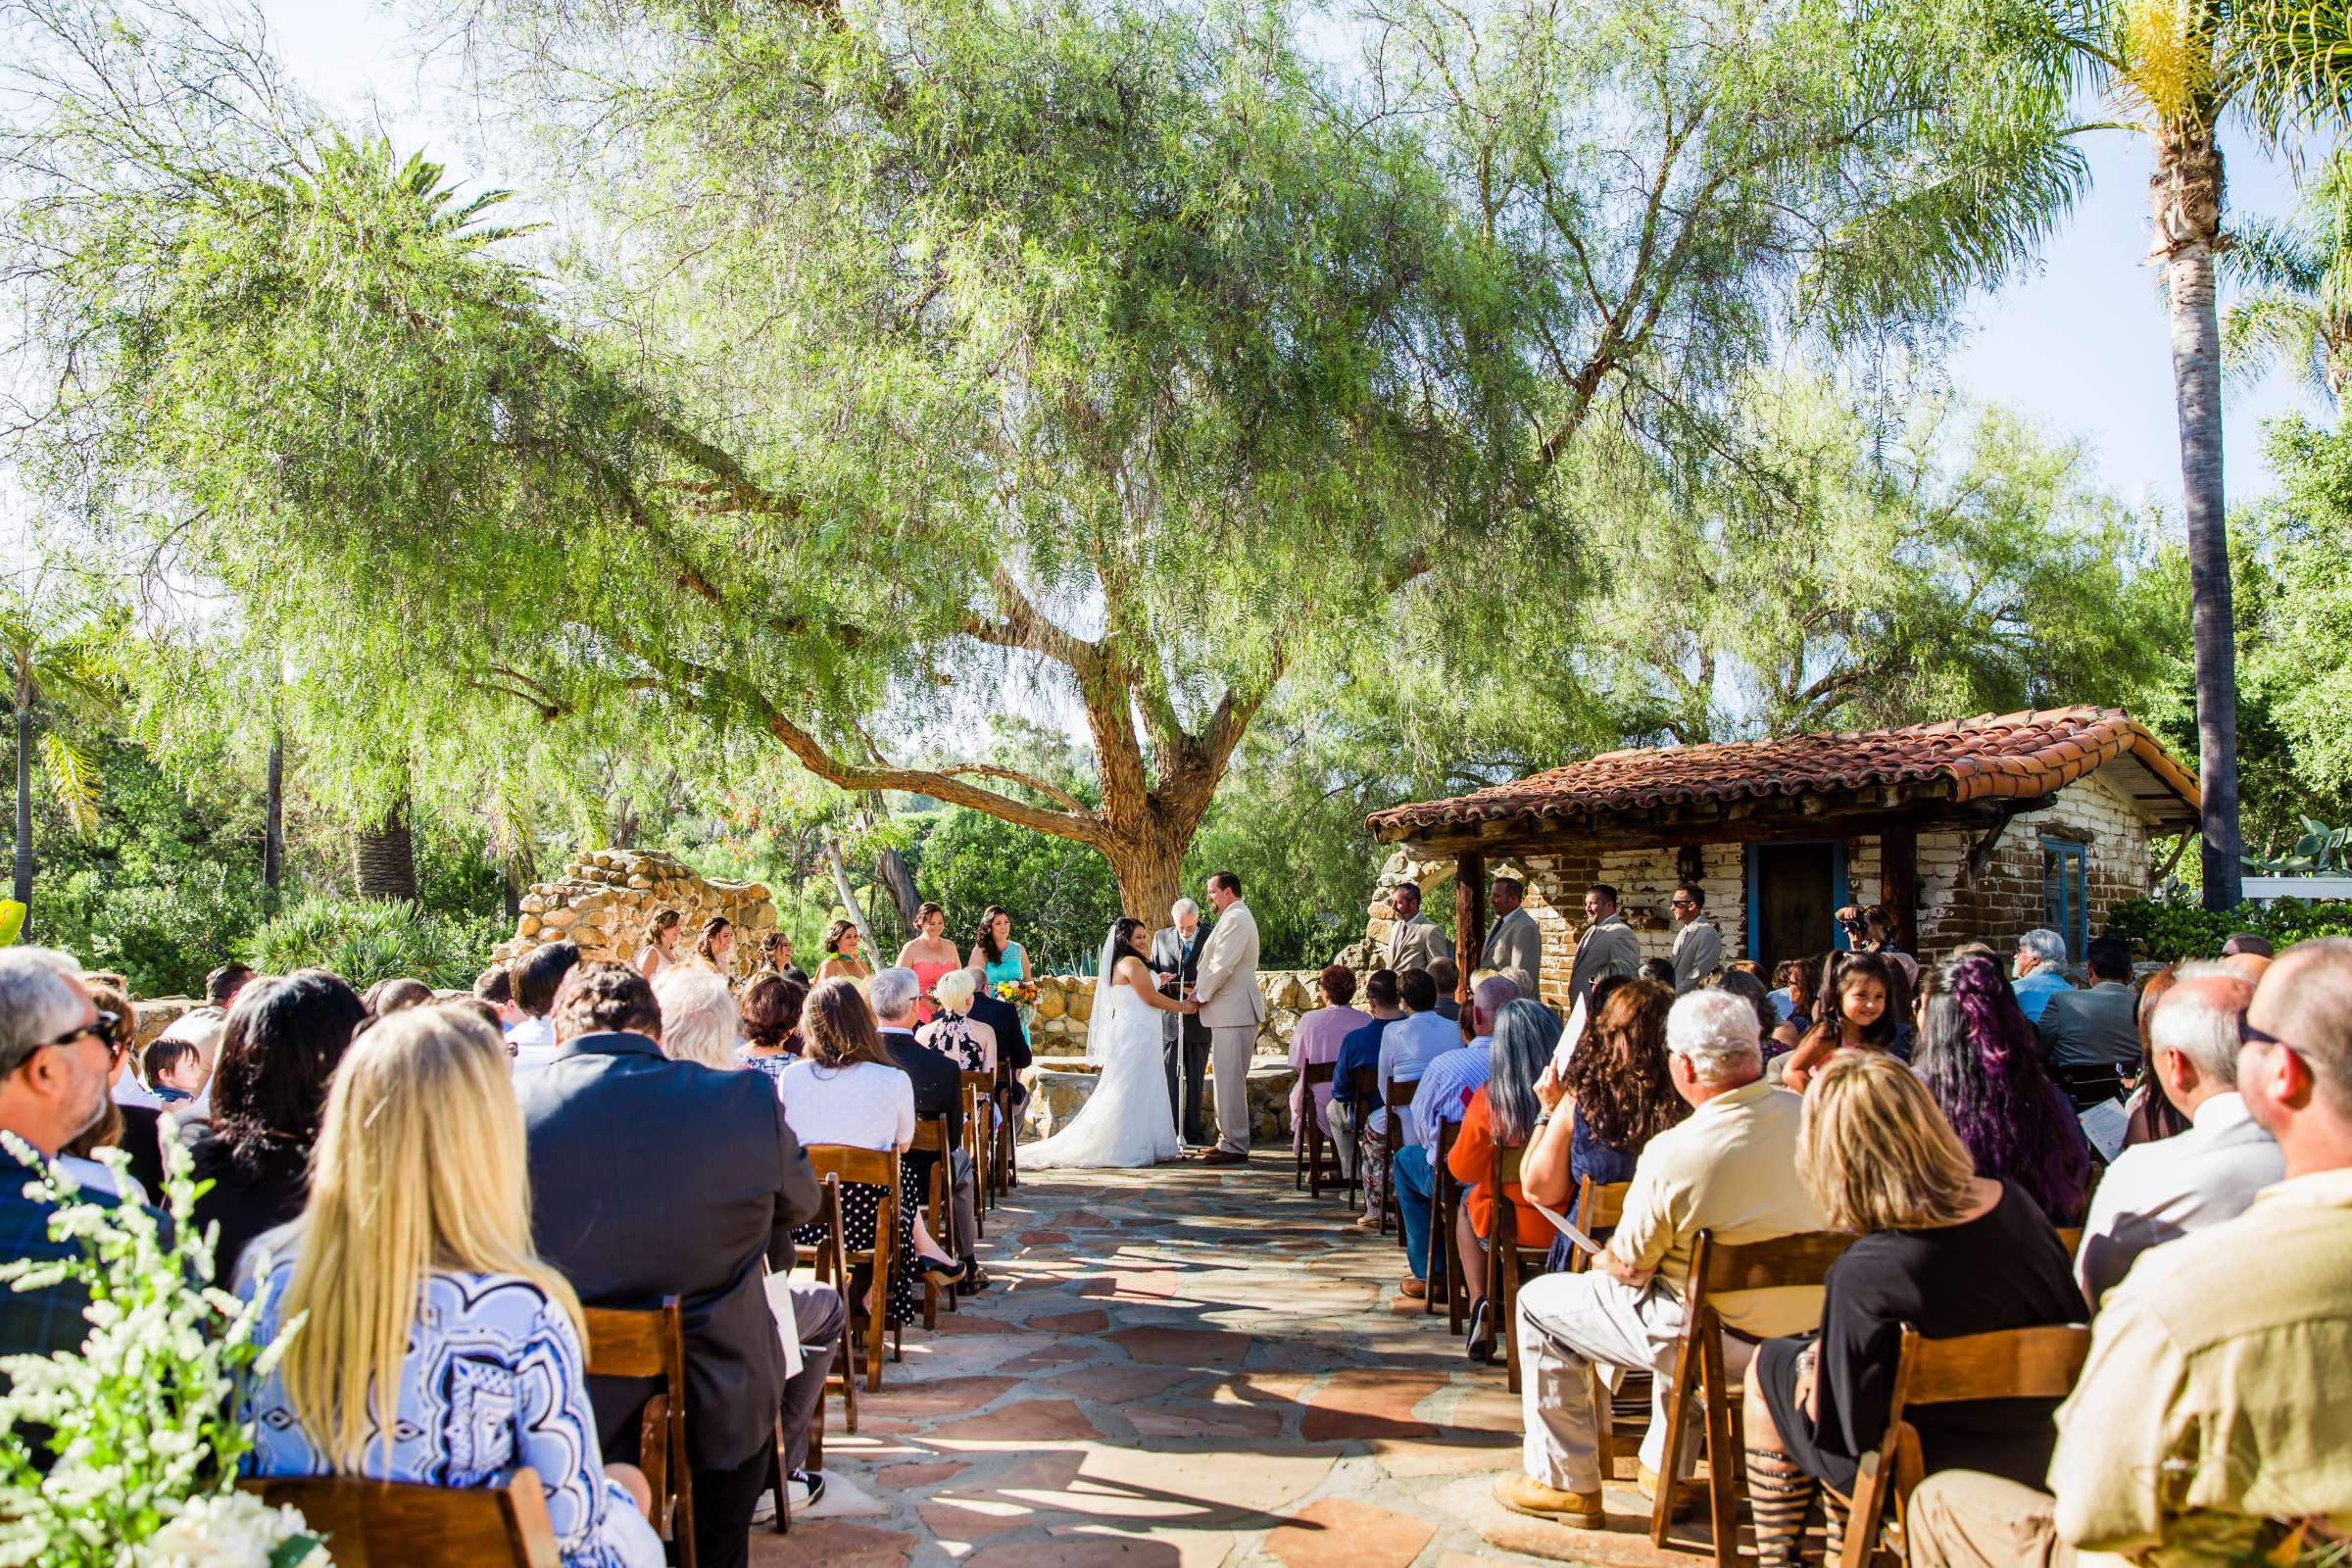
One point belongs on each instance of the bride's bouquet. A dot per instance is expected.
(123, 1454)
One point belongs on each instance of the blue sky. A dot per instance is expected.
(2078, 341)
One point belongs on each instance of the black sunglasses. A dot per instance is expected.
(103, 1028)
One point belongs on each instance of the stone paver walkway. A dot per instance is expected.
(1184, 1368)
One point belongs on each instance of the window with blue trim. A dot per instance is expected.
(2062, 904)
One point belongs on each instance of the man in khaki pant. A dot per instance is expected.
(1232, 1008)
(2210, 1425)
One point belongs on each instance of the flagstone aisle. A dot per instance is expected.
(1183, 1368)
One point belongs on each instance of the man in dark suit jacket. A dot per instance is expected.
(1183, 1037)
(651, 1178)
(2094, 1031)
(938, 1092)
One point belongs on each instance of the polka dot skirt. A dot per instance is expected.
(860, 1203)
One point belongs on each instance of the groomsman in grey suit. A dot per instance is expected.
(1697, 945)
(1607, 947)
(1514, 947)
(1414, 939)
(1184, 1038)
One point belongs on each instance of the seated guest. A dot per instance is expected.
(1446, 976)
(284, 1038)
(175, 1071)
(1003, 1020)
(653, 1178)
(2098, 1028)
(538, 975)
(1657, 972)
(1943, 1251)
(496, 986)
(2152, 1116)
(387, 997)
(1415, 1041)
(1977, 1056)
(2040, 969)
(1860, 1003)
(2250, 943)
(953, 1031)
(1603, 1107)
(436, 1347)
(2159, 1192)
(1446, 1083)
(1359, 1052)
(2209, 1424)
(1802, 977)
(1741, 983)
(134, 1129)
(698, 1016)
(847, 1090)
(772, 1024)
(55, 1057)
(1504, 1112)
(2250, 966)
(1319, 1037)
(938, 1095)
(1726, 1169)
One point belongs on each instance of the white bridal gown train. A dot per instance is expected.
(1127, 1120)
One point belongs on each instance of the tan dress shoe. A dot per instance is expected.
(1579, 1510)
(1413, 1287)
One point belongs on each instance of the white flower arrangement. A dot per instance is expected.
(123, 1454)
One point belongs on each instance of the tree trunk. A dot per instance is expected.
(1151, 873)
(848, 895)
(387, 857)
(23, 882)
(274, 822)
(890, 870)
(2186, 192)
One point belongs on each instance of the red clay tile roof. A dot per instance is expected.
(2005, 754)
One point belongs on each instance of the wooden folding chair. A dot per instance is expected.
(1716, 1267)
(1363, 1093)
(979, 1133)
(1314, 1143)
(939, 1215)
(1006, 1162)
(388, 1524)
(1599, 1205)
(1507, 1258)
(836, 1163)
(2038, 1363)
(842, 1379)
(1444, 1260)
(652, 1344)
(2071, 1237)
(1398, 1098)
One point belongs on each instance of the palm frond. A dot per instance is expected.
(2296, 56)
(73, 776)
(2269, 327)
(2266, 253)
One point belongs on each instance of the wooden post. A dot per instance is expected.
(1469, 918)
(1898, 883)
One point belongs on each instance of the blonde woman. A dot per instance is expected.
(699, 1018)
(424, 1299)
(1942, 1250)
(660, 950)
(953, 1032)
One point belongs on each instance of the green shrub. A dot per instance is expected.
(364, 941)
(160, 936)
(2166, 931)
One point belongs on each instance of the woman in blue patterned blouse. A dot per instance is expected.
(418, 1275)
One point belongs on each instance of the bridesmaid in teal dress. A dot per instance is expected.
(995, 952)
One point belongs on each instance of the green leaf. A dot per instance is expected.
(12, 921)
(290, 1552)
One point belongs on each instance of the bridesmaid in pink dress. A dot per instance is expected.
(930, 956)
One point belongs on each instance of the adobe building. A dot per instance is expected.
(1973, 829)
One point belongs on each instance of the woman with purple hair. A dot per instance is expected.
(1982, 1061)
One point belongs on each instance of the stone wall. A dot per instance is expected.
(1953, 907)
(1065, 1006)
(605, 900)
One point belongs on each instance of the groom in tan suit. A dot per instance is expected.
(1232, 1007)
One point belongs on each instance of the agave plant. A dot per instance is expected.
(2321, 851)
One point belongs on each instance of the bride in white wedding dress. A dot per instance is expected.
(1127, 1120)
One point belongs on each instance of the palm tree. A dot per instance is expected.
(2176, 69)
(2294, 289)
(59, 655)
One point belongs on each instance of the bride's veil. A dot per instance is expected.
(1097, 1024)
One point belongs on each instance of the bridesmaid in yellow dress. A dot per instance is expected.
(841, 954)
(930, 956)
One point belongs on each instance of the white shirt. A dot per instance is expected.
(533, 1042)
(864, 1106)
(129, 1091)
(1406, 1050)
(93, 1177)
(2158, 1191)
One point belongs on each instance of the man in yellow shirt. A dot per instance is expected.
(2210, 1424)
(1731, 1169)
